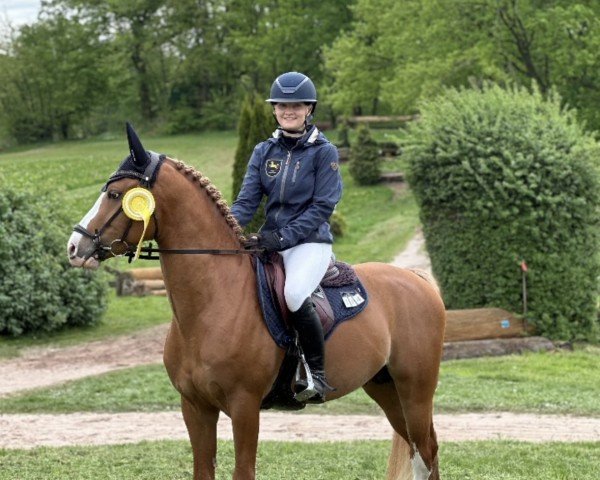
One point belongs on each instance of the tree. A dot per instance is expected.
(380, 68)
(54, 77)
(135, 29)
(365, 162)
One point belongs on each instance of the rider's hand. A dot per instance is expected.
(252, 241)
(271, 242)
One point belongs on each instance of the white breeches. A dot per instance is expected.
(305, 266)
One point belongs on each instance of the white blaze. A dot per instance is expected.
(85, 221)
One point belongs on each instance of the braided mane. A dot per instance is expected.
(214, 194)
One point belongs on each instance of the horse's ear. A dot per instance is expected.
(137, 150)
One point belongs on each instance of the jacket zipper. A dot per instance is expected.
(296, 168)
(282, 190)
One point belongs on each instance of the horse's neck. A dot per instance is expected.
(198, 284)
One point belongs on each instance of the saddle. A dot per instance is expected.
(339, 297)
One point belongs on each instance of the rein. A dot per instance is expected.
(148, 251)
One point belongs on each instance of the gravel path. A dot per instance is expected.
(29, 431)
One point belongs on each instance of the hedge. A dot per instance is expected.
(504, 176)
(39, 291)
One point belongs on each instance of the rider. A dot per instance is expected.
(298, 170)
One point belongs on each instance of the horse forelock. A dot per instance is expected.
(213, 192)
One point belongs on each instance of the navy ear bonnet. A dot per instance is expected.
(140, 164)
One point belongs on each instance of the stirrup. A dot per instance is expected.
(310, 387)
(317, 393)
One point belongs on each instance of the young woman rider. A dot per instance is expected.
(298, 170)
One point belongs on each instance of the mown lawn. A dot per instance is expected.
(304, 461)
(559, 382)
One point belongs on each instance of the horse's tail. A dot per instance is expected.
(399, 464)
(428, 277)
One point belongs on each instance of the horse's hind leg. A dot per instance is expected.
(386, 396)
(417, 405)
(413, 422)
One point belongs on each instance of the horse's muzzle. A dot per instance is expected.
(82, 252)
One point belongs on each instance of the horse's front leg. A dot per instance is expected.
(245, 418)
(201, 422)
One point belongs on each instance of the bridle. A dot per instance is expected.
(119, 247)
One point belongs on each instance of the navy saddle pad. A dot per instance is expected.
(345, 300)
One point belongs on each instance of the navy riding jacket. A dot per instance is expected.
(302, 184)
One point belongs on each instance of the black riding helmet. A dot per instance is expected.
(293, 87)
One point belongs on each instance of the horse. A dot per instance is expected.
(218, 352)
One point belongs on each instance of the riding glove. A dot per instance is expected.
(268, 241)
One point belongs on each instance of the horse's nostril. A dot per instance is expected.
(72, 250)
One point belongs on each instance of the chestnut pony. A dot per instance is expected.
(218, 352)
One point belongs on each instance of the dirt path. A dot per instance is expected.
(414, 255)
(42, 367)
(29, 431)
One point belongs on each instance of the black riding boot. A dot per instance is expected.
(310, 333)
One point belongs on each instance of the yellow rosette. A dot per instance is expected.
(138, 204)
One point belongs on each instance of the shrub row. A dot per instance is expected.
(501, 176)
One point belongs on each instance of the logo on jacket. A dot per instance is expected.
(273, 167)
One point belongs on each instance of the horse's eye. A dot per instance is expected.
(114, 195)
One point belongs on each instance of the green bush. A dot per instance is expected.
(39, 291)
(338, 224)
(501, 176)
(365, 161)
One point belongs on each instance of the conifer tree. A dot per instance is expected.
(255, 126)
(365, 162)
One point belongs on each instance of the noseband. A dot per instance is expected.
(103, 250)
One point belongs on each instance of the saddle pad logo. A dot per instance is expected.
(273, 167)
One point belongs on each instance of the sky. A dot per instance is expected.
(19, 12)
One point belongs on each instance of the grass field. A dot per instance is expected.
(322, 461)
(552, 383)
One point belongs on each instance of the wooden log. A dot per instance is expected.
(146, 287)
(154, 284)
(153, 273)
(392, 177)
(126, 280)
(482, 323)
(381, 118)
(159, 293)
(495, 347)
